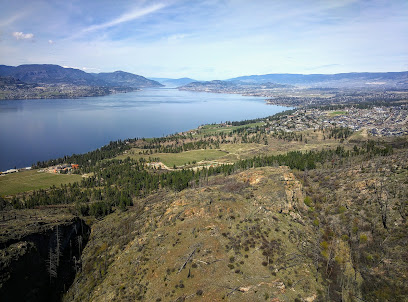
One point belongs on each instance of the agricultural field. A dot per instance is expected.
(178, 159)
(32, 180)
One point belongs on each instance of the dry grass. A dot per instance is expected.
(223, 241)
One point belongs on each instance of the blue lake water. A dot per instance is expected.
(35, 130)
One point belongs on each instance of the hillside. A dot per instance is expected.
(261, 234)
(55, 74)
(225, 240)
(50, 74)
(10, 81)
(340, 80)
(126, 79)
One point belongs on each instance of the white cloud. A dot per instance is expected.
(132, 15)
(50, 42)
(82, 68)
(22, 36)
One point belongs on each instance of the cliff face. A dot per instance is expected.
(41, 265)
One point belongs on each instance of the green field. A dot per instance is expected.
(178, 159)
(32, 180)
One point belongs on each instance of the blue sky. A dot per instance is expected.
(207, 39)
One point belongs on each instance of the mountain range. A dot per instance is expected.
(354, 79)
(55, 74)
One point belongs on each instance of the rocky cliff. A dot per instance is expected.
(39, 262)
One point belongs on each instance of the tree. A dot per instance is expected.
(52, 264)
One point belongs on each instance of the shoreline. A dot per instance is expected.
(162, 93)
(100, 92)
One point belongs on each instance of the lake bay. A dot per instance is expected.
(36, 130)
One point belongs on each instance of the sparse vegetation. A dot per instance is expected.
(325, 219)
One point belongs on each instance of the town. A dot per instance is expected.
(377, 121)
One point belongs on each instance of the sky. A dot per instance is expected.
(209, 39)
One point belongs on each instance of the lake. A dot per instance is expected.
(36, 130)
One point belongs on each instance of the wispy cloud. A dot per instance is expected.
(132, 15)
(177, 37)
(10, 20)
(322, 66)
(22, 36)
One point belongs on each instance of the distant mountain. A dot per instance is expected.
(226, 86)
(173, 82)
(211, 84)
(126, 79)
(55, 74)
(363, 79)
(49, 74)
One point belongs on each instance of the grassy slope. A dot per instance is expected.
(346, 200)
(32, 180)
(178, 159)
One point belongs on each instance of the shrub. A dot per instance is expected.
(342, 209)
(363, 238)
(307, 201)
(344, 237)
